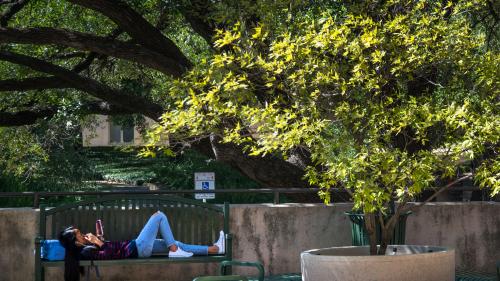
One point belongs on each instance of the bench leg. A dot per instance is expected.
(39, 274)
(88, 271)
(39, 270)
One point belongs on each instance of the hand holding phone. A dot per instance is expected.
(93, 239)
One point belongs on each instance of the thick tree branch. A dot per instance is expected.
(88, 42)
(28, 117)
(43, 83)
(138, 28)
(63, 56)
(113, 96)
(8, 119)
(285, 174)
(9, 13)
(492, 10)
(195, 13)
(35, 83)
(85, 64)
(441, 190)
(101, 107)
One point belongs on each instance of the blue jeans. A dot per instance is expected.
(147, 244)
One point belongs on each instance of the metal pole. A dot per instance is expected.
(276, 197)
(36, 200)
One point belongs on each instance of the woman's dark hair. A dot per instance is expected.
(72, 268)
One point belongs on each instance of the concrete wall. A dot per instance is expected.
(276, 234)
(473, 229)
(18, 227)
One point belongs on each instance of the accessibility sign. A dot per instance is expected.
(204, 181)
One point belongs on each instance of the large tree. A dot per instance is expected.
(62, 60)
(389, 98)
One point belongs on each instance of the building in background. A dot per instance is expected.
(102, 131)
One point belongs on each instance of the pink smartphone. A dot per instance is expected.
(99, 230)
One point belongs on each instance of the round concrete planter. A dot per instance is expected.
(408, 263)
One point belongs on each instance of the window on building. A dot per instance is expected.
(121, 133)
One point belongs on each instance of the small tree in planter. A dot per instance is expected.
(385, 98)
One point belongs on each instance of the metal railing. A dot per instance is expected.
(37, 196)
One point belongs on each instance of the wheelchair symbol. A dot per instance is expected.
(205, 185)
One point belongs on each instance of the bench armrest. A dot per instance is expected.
(38, 246)
(229, 246)
(229, 238)
(38, 240)
(257, 265)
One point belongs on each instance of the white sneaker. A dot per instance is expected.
(221, 243)
(179, 254)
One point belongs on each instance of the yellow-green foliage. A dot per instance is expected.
(341, 89)
(21, 153)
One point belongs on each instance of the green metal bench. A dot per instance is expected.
(123, 217)
(222, 278)
(225, 269)
(285, 277)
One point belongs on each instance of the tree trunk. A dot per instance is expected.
(384, 242)
(371, 229)
(387, 233)
(270, 171)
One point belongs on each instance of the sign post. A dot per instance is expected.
(204, 181)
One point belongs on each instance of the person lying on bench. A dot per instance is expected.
(89, 247)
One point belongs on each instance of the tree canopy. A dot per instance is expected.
(63, 60)
(385, 98)
(388, 98)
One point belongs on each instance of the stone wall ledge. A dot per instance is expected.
(276, 235)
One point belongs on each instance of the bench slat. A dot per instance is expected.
(185, 215)
(197, 235)
(53, 224)
(152, 260)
